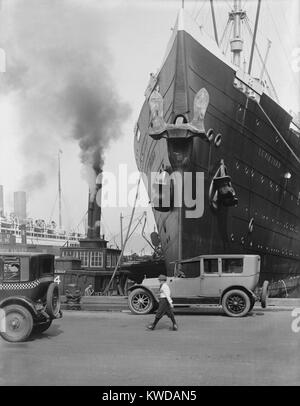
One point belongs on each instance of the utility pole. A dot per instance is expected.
(59, 190)
(121, 230)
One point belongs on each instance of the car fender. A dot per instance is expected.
(20, 300)
(145, 288)
(249, 292)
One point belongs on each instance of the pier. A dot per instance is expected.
(114, 348)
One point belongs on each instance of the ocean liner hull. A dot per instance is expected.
(264, 173)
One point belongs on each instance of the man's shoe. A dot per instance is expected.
(175, 327)
(150, 327)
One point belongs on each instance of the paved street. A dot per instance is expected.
(114, 348)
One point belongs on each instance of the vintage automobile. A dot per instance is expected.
(229, 281)
(29, 297)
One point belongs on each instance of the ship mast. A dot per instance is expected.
(237, 42)
(214, 21)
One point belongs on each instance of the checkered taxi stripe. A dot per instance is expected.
(19, 285)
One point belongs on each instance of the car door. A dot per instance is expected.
(189, 285)
(210, 277)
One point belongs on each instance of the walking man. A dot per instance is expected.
(165, 304)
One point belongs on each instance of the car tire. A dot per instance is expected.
(40, 328)
(264, 294)
(236, 303)
(252, 304)
(53, 301)
(140, 301)
(18, 323)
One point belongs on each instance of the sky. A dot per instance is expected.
(76, 69)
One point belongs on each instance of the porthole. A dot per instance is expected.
(210, 134)
(251, 225)
(218, 140)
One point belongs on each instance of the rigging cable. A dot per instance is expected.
(126, 238)
(261, 59)
(143, 234)
(53, 208)
(201, 8)
(283, 48)
(108, 229)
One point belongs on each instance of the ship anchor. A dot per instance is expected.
(221, 189)
(160, 129)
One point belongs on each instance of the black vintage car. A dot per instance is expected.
(29, 297)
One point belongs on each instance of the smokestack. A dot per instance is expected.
(20, 205)
(94, 208)
(1, 201)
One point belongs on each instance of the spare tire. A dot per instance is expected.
(264, 294)
(53, 301)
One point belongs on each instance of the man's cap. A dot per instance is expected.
(162, 278)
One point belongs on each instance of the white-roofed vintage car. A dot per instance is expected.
(230, 281)
(29, 297)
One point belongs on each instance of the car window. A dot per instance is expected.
(11, 269)
(210, 266)
(232, 265)
(191, 269)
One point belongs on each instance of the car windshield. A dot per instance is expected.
(42, 265)
(190, 269)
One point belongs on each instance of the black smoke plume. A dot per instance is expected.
(58, 72)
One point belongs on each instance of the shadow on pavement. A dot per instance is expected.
(53, 331)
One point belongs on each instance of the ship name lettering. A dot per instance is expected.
(269, 158)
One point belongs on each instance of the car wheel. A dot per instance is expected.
(140, 301)
(40, 328)
(236, 303)
(264, 294)
(53, 300)
(18, 323)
